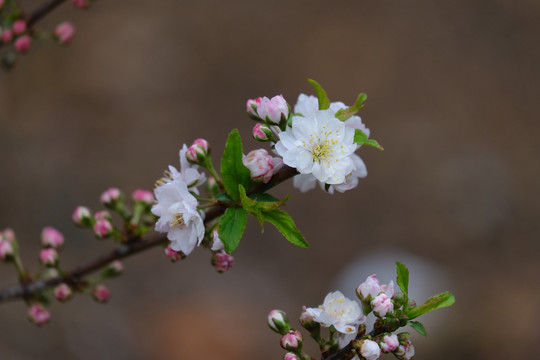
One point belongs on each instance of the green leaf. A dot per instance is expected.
(263, 197)
(231, 227)
(403, 279)
(324, 101)
(285, 224)
(223, 197)
(233, 171)
(344, 114)
(418, 327)
(361, 138)
(438, 301)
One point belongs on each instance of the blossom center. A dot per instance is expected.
(323, 146)
(178, 220)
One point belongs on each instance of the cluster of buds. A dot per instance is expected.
(272, 115)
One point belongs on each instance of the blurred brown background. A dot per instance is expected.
(453, 97)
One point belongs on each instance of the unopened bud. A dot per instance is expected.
(274, 111)
(48, 257)
(198, 151)
(212, 186)
(251, 107)
(307, 321)
(369, 349)
(103, 228)
(174, 255)
(382, 305)
(143, 196)
(82, 216)
(110, 196)
(260, 165)
(101, 294)
(405, 350)
(38, 314)
(19, 27)
(262, 132)
(6, 250)
(102, 215)
(22, 44)
(50, 237)
(63, 292)
(291, 356)
(292, 341)
(389, 343)
(222, 261)
(369, 288)
(114, 268)
(65, 32)
(8, 235)
(278, 322)
(6, 36)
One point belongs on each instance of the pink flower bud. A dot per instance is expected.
(274, 110)
(173, 255)
(110, 195)
(38, 314)
(102, 215)
(382, 304)
(278, 322)
(62, 292)
(7, 35)
(308, 321)
(369, 288)
(405, 350)
(81, 4)
(262, 132)
(101, 294)
(143, 196)
(19, 27)
(114, 268)
(222, 261)
(82, 216)
(102, 228)
(251, 107)
(65, 32)
(292, 341)
(389, 343)
(198, 151)
(50, 237)
(291, 356)
(370, 350)
(22, 44)
(8, 235)
(260, 165)
(48, 257)
(6, 250)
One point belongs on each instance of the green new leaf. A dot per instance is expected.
(361, 138)
(438, 301)
(418, 327)
(324, 101)
(344, 114)
(233, 171)
(223, 197)
(285, 224)
(231, 227)
(263, 197)
(403, 279)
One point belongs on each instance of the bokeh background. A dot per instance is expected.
(453, 98)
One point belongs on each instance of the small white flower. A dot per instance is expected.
(370, 350)
(320, 145)
(189, 173)
(178, 216)
(338, 311)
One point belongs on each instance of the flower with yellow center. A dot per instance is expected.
(338, 311)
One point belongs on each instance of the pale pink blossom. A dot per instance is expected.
(260, 165)
(81, 215)
(19, 27)
(370, 350)
(222, 261)
(22, 44)
(382, 305)
(274, 110)
(369, 289)
(6, 36)
(6, 250)
(101, 293)
(38, 314)
(389, 343)
(110, 195)
(62, 292)
(51, 237)
(405, 351)
(292, 340)
(143, 196)
(173, 255)
(48, 257)
(103, 228)
(338, 311)
(65, 32)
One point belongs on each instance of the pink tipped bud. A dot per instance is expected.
(19, 27)
(370, 350)
(22, 44)
(48, 257)
(114, 268)
(369, 288)
(262, 132)
(65, 32)
(405, 350)
(382, 305)
(103, 228)
(6, 36)
(260, 165)
(81, 4)
(102, 215)
(251, 107)
(197, 152)
(143, 196)
(279, 322)
(6, 250)
(82, 216)
(50, 237)
(173, 255)
(275, 111)
(222, 261)
(101, 294)
(292, 341)
(291, 356)
(109, 196)
(308, 322)
(38, 314)
(389, 343)
(8, 235)
(63, 292)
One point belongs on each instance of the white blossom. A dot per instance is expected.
(338, 311)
